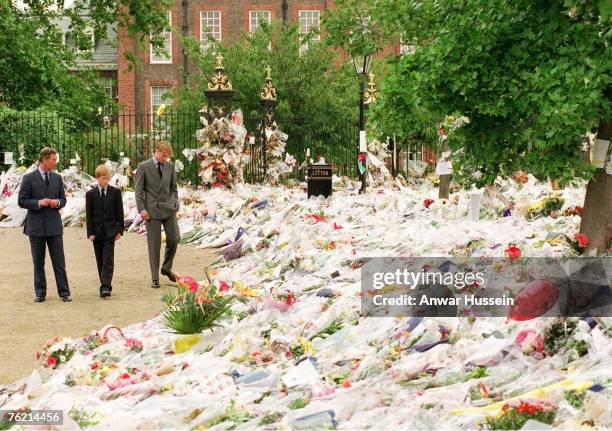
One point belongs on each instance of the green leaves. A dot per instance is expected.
(188, 314)
(532, 79)
(34, 59)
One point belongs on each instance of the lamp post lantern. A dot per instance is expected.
(362, 69)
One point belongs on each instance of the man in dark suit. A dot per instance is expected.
(157, 201)
(42, 194)
(104, 213)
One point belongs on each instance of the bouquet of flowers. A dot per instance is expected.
(56, 352)
(276, 165)
(514, 415)
(222, 150)
(194, 307)
(377, 171)
(548, 206)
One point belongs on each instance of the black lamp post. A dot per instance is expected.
(362, 68)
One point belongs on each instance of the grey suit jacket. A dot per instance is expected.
(159, 196)
(45, 221)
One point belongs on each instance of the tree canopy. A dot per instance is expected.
(34, 59)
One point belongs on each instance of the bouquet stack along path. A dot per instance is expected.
(291, 348)
(277, 161)
(377, 171)
(222, 151)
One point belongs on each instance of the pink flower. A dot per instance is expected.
(337, 226)
(186, 282)
(530, 340)
(290, 299)
(582, 239)
(223, 285)
(51, 361)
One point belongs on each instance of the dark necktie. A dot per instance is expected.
(47, 178)
(160, 166)
(103, 193)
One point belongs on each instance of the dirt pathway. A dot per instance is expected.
(24, 325)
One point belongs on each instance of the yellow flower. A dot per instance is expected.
(160, 111)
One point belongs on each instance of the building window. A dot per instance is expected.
(309, 20)
(80, 50)
(160, 96)
(107, 83)
(256, 17)
(164, 57)
(210, 26)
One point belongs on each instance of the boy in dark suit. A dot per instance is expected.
(104, 212)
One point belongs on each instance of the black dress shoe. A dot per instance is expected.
(39, 299)
(66, 299)
(170, 274)
(155, 284)
(105, 294)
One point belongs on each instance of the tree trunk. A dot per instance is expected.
(444, 186)
(596, 221)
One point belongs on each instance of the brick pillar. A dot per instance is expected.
(126, 78)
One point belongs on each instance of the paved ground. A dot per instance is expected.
(24, 325)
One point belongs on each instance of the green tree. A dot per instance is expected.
(34, 61)
(532, 76)
(313, 90)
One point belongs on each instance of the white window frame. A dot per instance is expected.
(167, 59)
(82, 51)
(309, 26)
(255, 15)
(204, 42)
(162, 102)
(305, 29)
(103, 81)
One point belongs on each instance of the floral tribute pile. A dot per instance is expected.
(297, 352)
(221, 154)
(278, 162)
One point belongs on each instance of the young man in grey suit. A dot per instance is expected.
(42, 194)
(157, 201)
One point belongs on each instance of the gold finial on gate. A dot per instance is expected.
(269, 91)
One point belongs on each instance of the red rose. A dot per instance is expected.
(51, 361)
(582, 239)
(427, 202)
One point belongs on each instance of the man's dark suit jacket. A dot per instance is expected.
(104, 215)
(45, 221)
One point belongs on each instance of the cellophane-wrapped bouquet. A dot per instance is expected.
(377, 171)
(278, 162)
(222, 150)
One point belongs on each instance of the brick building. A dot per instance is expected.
(223, 20)
(142, 88)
